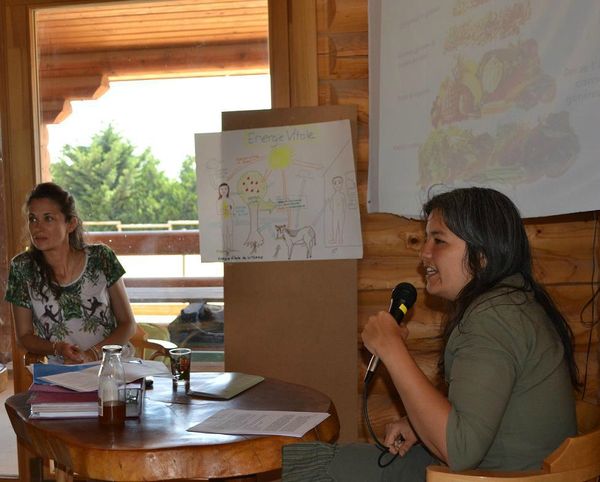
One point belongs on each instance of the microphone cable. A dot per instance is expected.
(590, 303)
(404, 296)
(378, 444)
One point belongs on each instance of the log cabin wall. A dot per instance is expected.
(563, 246)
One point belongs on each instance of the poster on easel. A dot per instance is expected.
(278, 194)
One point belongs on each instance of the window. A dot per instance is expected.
(127, 77)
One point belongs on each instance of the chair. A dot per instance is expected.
(577, 459)
(150, 348)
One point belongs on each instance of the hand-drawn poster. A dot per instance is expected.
(497, 93)
(278, 194)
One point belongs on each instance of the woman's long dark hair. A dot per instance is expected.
(66, 204)
(497, 247)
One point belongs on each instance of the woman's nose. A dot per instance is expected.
(426, 250)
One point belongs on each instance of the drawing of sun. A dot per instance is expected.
(280, 157)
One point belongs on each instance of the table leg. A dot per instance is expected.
(30, 465)
(62, 474)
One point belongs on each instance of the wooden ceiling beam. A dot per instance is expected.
(80, 87)
(54, 111)
(207, 8)
(75, 76)
(153, 24)
(160, 40)
(205, 60)
(115, 20)
(75, 37)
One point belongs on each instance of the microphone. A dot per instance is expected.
(404, 296)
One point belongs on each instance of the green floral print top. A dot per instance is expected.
(82, 314)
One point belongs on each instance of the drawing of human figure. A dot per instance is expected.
(337, 205)
(225, 211)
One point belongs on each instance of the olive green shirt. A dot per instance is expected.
(509, 385)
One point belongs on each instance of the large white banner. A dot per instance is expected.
(496, 93)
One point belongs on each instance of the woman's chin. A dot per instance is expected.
(432, 286)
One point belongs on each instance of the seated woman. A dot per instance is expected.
(68, 298)
(507, 359)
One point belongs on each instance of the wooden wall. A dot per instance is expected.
(563, 245)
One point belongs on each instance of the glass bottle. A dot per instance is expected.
(111, 387)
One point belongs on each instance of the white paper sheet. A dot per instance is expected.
(87, 380)
(260, 422)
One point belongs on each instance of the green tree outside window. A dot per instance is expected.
(111, 183)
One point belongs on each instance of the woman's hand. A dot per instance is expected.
(382, 332)
(89, 356)
(399, 437)
(71, 353)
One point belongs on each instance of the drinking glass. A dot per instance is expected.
(181, 361)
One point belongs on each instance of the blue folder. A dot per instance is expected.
(46, 369)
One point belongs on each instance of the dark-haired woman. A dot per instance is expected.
(508, 358)
(68, 298)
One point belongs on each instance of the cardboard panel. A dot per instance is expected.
(296, 321)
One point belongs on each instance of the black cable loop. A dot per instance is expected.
(590, 302)
(378, 444)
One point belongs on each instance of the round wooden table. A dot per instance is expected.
(157, 445)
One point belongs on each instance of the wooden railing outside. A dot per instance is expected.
(170, 242)
(148, 242)
(119, 226)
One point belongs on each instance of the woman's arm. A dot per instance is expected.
(119, 303)
(24, 331)
(32, 343)
(426, 407)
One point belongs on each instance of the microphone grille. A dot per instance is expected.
(405, 293)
